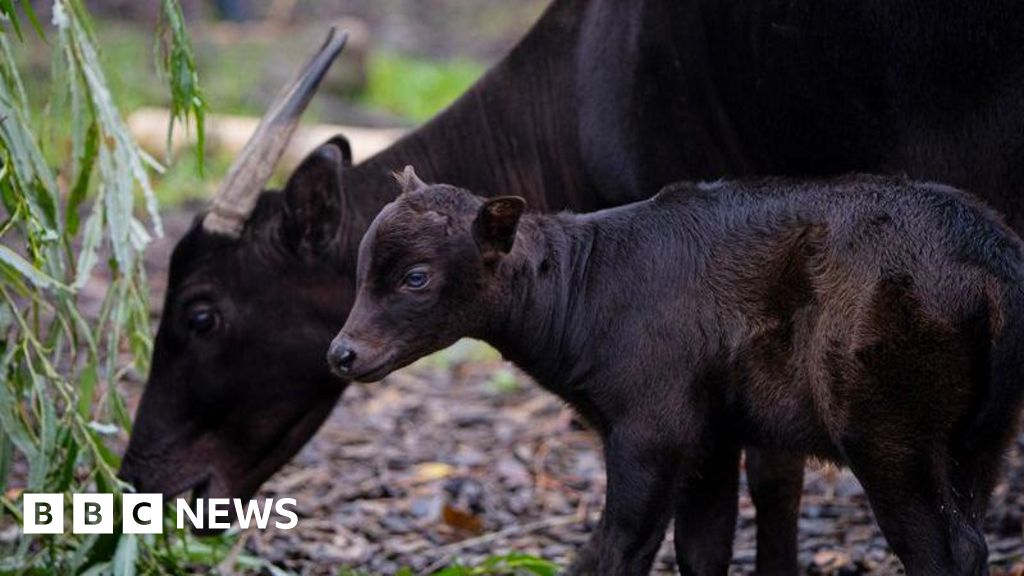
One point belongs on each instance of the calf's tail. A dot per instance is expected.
(998, 410)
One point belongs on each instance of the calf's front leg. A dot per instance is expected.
(705, 513)
(638, 506)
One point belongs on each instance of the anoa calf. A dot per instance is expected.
(869, 321)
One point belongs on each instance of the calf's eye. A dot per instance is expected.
(415, 279)
(202, 320)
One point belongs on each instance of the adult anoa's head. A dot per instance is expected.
(427, 275)
(235, 388)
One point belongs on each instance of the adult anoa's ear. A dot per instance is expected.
(313, 206)
(495, 226)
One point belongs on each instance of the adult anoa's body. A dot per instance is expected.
(602, 103)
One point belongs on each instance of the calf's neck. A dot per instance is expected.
(870, 321)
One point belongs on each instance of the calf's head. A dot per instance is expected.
(427, 275)
(256, 290)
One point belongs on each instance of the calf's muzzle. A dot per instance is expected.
(341, 356)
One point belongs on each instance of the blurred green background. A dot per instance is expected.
(407, 61)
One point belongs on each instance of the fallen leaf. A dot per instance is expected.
(430, 471)
(461, 520)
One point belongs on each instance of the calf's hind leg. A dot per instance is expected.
(910, 491)
(776, 481)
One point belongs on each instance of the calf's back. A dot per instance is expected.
(798, 308)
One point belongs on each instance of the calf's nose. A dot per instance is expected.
(341, 356)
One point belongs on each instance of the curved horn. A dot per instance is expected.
(240, 189)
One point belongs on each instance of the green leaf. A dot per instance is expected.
(515, 563)
(86, 388)
(108, 457)
(531, 564)
(7, 9)
(15, 429)
(16, 264)
(126, 556)
(78, 191)
(99, 569)
(6, 455)
(71, 450)
(30, 13)
(88, 255)
(178, 66)
(47, 414)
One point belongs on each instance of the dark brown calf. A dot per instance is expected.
(869, 321)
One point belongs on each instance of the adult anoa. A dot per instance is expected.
(824, 318)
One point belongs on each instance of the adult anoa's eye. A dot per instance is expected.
(415, 279)
(202, 319)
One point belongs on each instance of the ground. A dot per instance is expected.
(460, 456)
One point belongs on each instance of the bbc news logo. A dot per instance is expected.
(144, 513)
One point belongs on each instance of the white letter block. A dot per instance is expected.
(142, 513)
(43, 513)
(92, 514)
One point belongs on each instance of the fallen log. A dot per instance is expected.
(227, 134)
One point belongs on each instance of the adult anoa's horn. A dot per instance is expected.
(250, 172)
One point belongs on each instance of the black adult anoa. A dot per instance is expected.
(824, 318)
(602, 103)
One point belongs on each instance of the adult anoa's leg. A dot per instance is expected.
(776, 481)
(911, 494)
(705, 514)
(642, 466)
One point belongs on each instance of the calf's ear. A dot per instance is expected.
(495, 226)
(409, 181)
(313, 203)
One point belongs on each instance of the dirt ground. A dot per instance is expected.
(460, 456)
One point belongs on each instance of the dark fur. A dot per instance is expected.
(602, 103)
(874, 322)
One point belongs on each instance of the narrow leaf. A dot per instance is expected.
(12, 260)
(85, 166)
